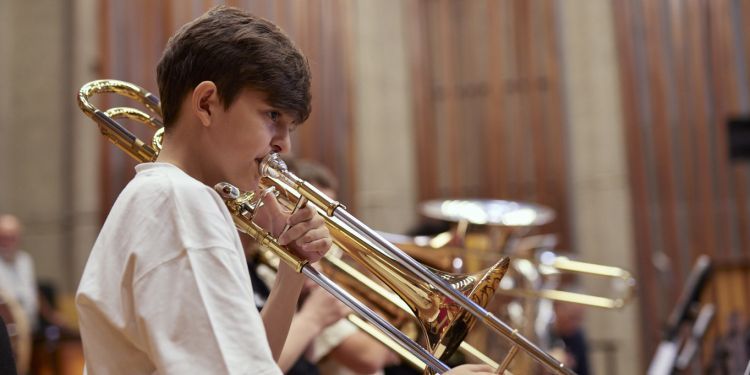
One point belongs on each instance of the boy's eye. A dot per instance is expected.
(274, 115)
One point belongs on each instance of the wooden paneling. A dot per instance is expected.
(488, 103)
(683, 74)
(135, 33)
(636, 166)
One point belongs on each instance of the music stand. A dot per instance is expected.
(672, 354)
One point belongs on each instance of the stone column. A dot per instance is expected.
(384, 134)
(45, 178)
(601, 209)
(85, 172)
(6, 40)
(33, 125)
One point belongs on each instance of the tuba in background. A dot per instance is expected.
(474, 231)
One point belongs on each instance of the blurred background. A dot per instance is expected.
(626, 118)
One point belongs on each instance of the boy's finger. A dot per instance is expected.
(304, 214)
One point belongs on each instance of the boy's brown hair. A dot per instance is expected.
(235, 50)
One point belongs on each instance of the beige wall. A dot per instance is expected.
(5, 95)
(384, 134)
(602, 218)
(44, 177)
(32, 129)
(85, 158)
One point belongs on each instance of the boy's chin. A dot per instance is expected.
(249, 184)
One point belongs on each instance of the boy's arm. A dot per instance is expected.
(304, 232)
(300, 336)
(320, 310)
(280, 307)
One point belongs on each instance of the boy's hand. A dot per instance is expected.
(307, 234)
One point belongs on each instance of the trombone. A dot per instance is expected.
(449, 312)
(532, 259)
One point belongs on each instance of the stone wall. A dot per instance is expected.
(48, 171)
(602, 218)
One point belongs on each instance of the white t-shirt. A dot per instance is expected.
(17, 279)
(166, 288)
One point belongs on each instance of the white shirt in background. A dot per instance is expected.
(17, 279)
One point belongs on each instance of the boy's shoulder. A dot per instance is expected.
(180, 201)
(172, 208)
(164, 174)
(163, 181)
(164, 190)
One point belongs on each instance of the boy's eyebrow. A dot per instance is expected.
(293, 124)
(290, 114)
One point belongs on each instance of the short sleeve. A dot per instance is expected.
(196, 315)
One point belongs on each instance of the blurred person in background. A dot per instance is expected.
(17, 277)
(567, 339)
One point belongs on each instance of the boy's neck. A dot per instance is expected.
(182, 148)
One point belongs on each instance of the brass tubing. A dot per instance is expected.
(272, 167)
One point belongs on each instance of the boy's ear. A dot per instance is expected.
(204, 101)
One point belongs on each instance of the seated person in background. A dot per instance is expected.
(41, 322)
(15, 338)
(320, 340)
(566, 334)
(7, 362)
(17, 268)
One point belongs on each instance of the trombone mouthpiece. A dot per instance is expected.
(272, 166)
